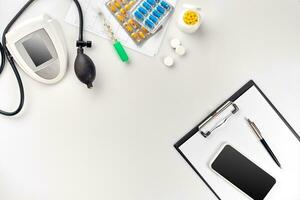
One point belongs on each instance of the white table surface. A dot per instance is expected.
(116, 140)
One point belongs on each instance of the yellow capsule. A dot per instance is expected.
(141, 35)
(127, 7)
(133, 23)
(120, 17)
(117, 4)
(128, 27)
(118, 1)
(144, 30)
(112, 7)
(131, 3)
(123, 2)
(123, 11)
(135, 36)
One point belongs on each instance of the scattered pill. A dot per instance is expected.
(175, 42)
(180, 50)
(168, 61)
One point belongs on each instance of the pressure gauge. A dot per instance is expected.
(39, 48)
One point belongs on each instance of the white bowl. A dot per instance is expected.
(189, 28)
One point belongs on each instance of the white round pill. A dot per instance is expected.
(175, 42)
(168, 61)
(180, 50)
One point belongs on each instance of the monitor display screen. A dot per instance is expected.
(37, 50)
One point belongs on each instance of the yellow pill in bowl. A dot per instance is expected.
(190, 17)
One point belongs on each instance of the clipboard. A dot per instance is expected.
(212, 133)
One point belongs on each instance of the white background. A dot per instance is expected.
(115, 141)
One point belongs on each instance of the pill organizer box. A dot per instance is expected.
(151, 14)
(120, 9)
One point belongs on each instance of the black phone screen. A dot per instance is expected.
(243, 173)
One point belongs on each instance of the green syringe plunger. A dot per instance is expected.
(121, 51)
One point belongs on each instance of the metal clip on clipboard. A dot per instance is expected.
(218, 118)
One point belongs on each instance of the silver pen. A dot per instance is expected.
(262, 140)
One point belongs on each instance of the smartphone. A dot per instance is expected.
(242, 173)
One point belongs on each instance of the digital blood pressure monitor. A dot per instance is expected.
(38, 47)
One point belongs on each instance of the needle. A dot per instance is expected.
(117, 44)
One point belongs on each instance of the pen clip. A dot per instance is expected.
(255, 129)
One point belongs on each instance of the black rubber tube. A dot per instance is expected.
(6, 54)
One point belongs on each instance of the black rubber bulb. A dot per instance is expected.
(84, 68)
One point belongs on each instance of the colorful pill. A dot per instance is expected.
(118, 1)
(191, 17)
(147, 6)
(123, 11)
(120, 17)
(131, 3)
(133, 23)
(141, 35)
(149, 24)
(165, 5)
(151, 2)
(156, 14)
(160, 9)
(153, 19)
(117, 4)
(136, 37)
(144, 30)
(128, 27)
(112, 7)
(123, 1)
(127, 7)
(138, 15)
(143, 10)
